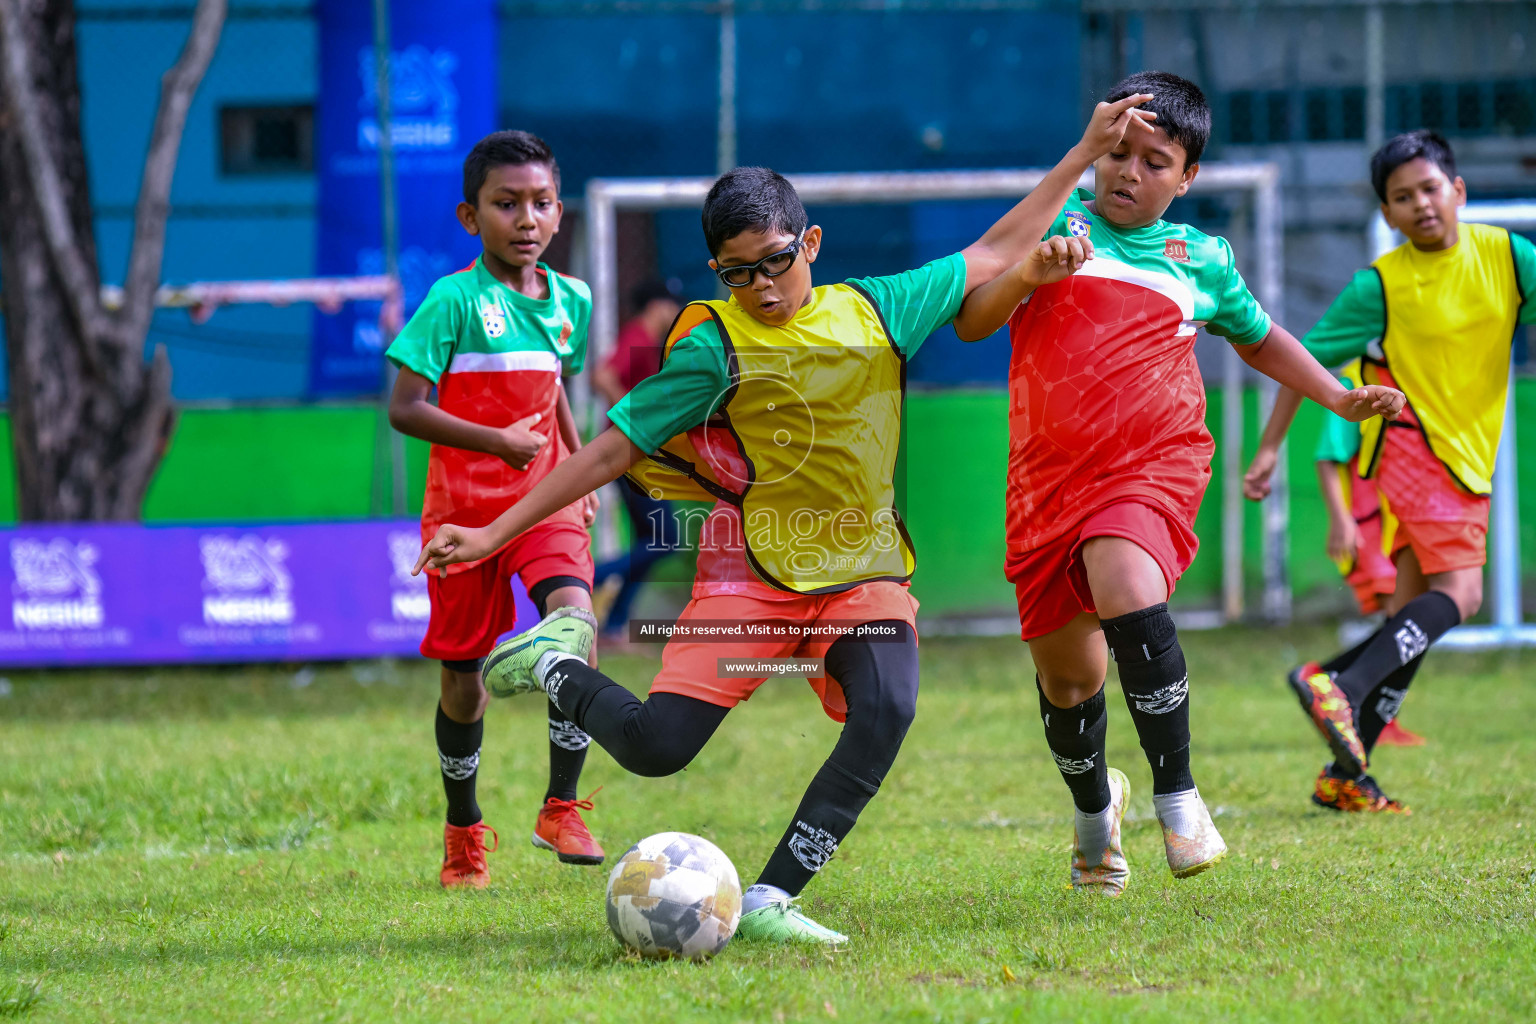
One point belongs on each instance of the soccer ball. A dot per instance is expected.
(674, 895)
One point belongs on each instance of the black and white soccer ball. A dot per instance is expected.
(674, 895)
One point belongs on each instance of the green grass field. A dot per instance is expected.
(259, 843)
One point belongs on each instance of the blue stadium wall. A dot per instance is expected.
(616, 95)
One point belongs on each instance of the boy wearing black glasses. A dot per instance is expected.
(782, 405)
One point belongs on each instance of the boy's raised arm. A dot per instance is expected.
(1015, 235)
(606, 459)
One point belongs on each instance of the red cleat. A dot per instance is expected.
(464, 855)
(1330, 711)
(561, 829)
(1395, 735)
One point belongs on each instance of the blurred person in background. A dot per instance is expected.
(636, 356)
(1361, 527)
(1435, 317)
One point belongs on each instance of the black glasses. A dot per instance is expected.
(771, 265)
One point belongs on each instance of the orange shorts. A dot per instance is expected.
(1445, 524)
(1051, 584)
(470, 609)
(691, 667)
(1373, 575)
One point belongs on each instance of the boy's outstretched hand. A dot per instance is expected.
(1055, 259)
(1256, 486)
(453, 544)
(1110, 121)
(1371, 400)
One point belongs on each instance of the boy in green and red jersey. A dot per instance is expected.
(1436, 317)
(495, 340)
(1109, 458)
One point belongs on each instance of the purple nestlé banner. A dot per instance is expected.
(129, 594)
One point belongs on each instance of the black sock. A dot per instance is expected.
(653, 737)
(827, 813)
(1382, 706)
(1402, 638)
(1076, 738)
(879, 682)
(1145, 646)
(567, 753)
(1341, 661)
(458, 754)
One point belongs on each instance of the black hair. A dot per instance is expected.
(750, 199)
(505, 149)
(649, 291)
(1410, 146)
(1179, 104)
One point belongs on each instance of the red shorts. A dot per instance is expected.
(691, 667)
(1445, 524)
(472, 608)
(1051, 583)
(1373, 575)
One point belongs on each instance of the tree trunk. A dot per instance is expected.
(90, 416)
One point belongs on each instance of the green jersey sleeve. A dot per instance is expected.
(918, 302)
(1238, 317)
(1525, 274)
(1339, 440)
(689, 387)
(581, 322)
(1356, 318)
(427, 342)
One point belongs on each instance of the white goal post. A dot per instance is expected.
(606, 196)
(1508, 628)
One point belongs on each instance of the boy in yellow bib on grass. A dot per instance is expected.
(1434, 318)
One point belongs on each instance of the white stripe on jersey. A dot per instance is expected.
(1175, 290)
(1167, 285)
(504, 362)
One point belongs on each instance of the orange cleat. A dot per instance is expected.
(1332, 714)
(1395, 735)
(561, 829)
(464, 855)
(1354, 796)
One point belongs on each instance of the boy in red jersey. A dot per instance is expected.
(495, 339)
(1109, 458)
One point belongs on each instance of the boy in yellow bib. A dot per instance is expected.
(1434, 318)
(783, 404)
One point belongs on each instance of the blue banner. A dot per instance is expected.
(122, 594)
(442, 101)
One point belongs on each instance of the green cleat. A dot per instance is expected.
(782, 922)
(508, 670)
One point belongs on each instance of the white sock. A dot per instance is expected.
(1093, 830)
(755, 897)
(1184, 812)
(548, 660)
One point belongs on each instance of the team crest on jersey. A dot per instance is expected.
(1078, 224)
(494, 320)
(563, 343)
(1177, 250)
